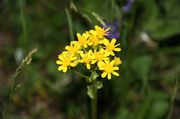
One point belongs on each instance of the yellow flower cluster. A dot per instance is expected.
(94, 50)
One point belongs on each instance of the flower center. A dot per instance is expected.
(95, 40)
(108, 68)
(86, 59)
(66, 62)
(110, 47)
(99, 56)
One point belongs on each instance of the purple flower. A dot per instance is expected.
(114, 30)
(127, 7)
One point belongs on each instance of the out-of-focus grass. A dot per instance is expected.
(149, 37)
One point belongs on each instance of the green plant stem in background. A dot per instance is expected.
(112, 10)
(26, 61)
(82, 75)
(93, 93)
(172, 100)
(94, 103)
(23, 41)
(70, 24)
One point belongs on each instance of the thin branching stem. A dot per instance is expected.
(82, 75)
(94, 103)
(26, 61)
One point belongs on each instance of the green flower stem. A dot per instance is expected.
(94, 103)
(80, 74)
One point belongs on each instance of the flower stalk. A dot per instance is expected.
(94, 103)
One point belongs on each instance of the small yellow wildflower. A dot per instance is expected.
(94, 40)
(100, 56)
(117, 61)
(100, 32)
(92, 48)
(66, 59)
(83, 39)
(108, 69)
(87, 58)
(73, 48)
(110, 46)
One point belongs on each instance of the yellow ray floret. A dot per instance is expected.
(117, 61)
(94, 40)
(108, 69)
(73, 48)
(110, 46)
(65, 59)
(100, 32)
(100, 56)
(83, 39)
(87, 58)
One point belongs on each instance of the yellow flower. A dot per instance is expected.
(92, 48)
(83, 39)
(94, 40)
(110, 46)
(100, 56)
(73, 48)
(86, 58)
(117, 61)
(66, 59)
(100, 32)
(108, 69)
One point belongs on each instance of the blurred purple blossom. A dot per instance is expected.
(114, 30)
(127, 7)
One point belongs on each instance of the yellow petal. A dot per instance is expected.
(99, 63)
(88, 66)
(85, 45)
(58, 62)
(81, 53)
(78, 35)
(93, 32)
(112, 53)
(107, 29)
(93, 62)
(60, 68)
(109, 76)
(113, 41)
(115, 73)
(112, 62)
(96, 27)
(73, 64)
(117, 49)
(60, 57)
(67, 47)
(64, 69)
(116, 68)
(105, 42)
(73, 58)
(103, 74)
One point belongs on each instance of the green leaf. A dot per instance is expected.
(93, 77)
(160, 20)
(142, 65)
(90, 91)
(99, 85)
(159, 108)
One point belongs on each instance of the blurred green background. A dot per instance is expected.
(149, 34)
